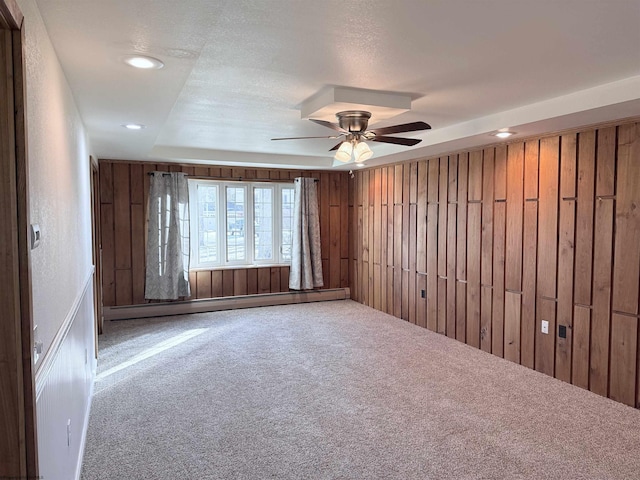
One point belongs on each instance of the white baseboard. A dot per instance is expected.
(223, 303)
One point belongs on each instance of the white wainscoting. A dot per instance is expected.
(64, 385)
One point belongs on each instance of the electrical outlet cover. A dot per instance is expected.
(545, 326)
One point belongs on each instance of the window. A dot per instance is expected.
(240, 223)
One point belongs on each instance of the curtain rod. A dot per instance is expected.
(237, 179)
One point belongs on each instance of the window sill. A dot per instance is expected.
(238, 267)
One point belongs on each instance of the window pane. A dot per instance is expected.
(235, 224)
(207, 223)
(263, 223)
(287, 222)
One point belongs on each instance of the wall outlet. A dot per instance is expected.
(545, 327)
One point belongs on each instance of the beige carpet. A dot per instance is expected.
(337, 390)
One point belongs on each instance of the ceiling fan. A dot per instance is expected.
(352, 125)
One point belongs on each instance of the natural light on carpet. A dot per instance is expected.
(155, 350)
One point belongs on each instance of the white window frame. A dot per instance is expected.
(249, 230)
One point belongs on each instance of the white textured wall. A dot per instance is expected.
(59, 195)
(59, 182)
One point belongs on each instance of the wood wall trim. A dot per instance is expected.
(18, 436)
(539, 229)
(10, 15)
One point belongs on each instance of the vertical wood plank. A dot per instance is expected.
(606, 161)
(404, 241)
(323, 201)
(108, 255)
(626, 262)
(442, 305)
(486, 260)
(545, 358)
(138, 253)
(227, 283)
(581, 332)
(565, 289)
(397, 259)
(106, 182)
(461, 247)
(240, 281)
(137, 188)
(404, 295)
(442, 216)
(512, 312)
(275, 279)
(122, 216)
(252, 281)
(548, 217)
(451, 267)
(344, 217)
(203, 284)
(216, 283)
(432, 268)
(123, 287)
(601, 314)
(531, 153)
(515, 196)
(487, 219)
(474, 225)
(413, 182)
(412, 262)
(500, 173)
(475, 176)
(264, 280)
(193, 284)
(624, 348)
(390, 240)
(529, 258)
(584, 219)
(486, 309)
(421, 218)
(461, 311)
(284, 277)
(499, 239)
(334, 247)
(421, 301)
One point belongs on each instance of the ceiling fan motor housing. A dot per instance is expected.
(354, 121)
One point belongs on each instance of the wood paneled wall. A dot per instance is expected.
(124, 188)
(482, 246)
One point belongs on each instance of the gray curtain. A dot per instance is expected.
(168, 237)
(306, 260)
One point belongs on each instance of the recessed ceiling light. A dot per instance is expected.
(504, 134)
(361, 164)
(142, 61)
(133, 126)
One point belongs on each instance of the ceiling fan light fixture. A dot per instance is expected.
(344, 152)
(362, 152)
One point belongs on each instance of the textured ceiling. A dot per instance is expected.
(238, 71)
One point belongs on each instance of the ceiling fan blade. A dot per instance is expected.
(405, 127)
(304, 138)
(336, 147)
(409, 142)
(333, 126)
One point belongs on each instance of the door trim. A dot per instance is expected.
(18, 442)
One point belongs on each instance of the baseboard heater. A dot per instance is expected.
(223, 303)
